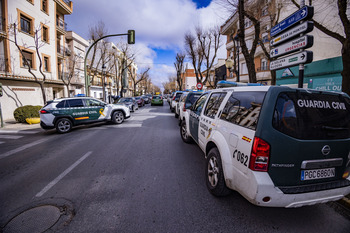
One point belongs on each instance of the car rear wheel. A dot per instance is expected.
(118, 117)
(214, 174)
(184, 135)
(63, 125)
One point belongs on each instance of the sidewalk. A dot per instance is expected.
(12, 125)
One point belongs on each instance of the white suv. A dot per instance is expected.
(276, 146)
(64, 113)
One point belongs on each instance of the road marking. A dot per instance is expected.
(18, 131)
(63, 174)
(11, 152)
(10, 137)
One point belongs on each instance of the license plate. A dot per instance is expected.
(317, 174)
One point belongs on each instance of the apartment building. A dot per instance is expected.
(326, 50)
(38, 27)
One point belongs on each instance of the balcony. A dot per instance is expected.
(263, 68)
(63, 51)
(64, 6)
(61, 26)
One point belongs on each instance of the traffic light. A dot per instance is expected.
(0, 89)
(131, 36)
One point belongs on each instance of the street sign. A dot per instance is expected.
(292, 60)
(199, 86)
(303, 42)
(304, 13)
(305, 27)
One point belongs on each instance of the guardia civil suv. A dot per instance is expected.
(276, 146)
(65, 113)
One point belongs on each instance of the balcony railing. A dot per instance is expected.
(67, 2)
(263, 68)
(61, 24)
(63, 51)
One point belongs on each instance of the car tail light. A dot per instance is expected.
(259, 158)
(43, 111)
(184, 108)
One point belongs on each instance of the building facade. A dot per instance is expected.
(37, 27)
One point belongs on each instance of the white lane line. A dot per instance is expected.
(63, 174)
(11, 152)
(10, 137)
(18, 132)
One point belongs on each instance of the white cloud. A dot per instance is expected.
(158, 24)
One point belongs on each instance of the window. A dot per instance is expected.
(28, 59)
(74, 103)
(243, 108)
(45, 33)
(244, 69)
(45, 6)
(312, 116)
(198, 106)
(263, 64)
(93, 102)
(46, 63)
(62, 104)
(26, 23)
(213, 104)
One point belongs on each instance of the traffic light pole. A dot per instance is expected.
(131, 40)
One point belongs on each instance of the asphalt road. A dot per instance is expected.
(135, 177)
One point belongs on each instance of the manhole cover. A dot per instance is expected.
(37, 219)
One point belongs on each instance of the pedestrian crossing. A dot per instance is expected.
(9, 135)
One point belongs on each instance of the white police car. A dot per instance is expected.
(276, 146)
(65, 113)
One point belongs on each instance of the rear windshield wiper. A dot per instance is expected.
(333, 128)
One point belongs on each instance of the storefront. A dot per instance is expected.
(324, 75)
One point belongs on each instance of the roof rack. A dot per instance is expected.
(223, 83)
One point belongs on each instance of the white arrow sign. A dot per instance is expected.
(292, 60)
(305, 27)
(291, 46)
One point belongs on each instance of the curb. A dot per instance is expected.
(345, 201)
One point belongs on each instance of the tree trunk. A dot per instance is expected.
(346, 67)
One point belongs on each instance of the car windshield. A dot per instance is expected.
(125, 100)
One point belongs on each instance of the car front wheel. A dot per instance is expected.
(63, 125)
(118, 117)
(215, 175)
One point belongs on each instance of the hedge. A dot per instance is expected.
(27, 111)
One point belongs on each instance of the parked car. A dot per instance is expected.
(156, 100)
(65, 113)
(130, 102)
(146, 99)
(277, 146)
(140, 101)
(186, 101)
(175, 100)
(177, 105)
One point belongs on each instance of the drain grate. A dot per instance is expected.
(37, 219)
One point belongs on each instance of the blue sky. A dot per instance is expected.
(160, 26)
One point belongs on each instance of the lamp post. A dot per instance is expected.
(237, 49)
(104, 82)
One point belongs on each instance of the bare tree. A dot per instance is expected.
(179, 67)
(202, 50)
(67, 77)
(136, 79)
(28, 63)
(194, 54)
(343, 36)
(126, 58)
